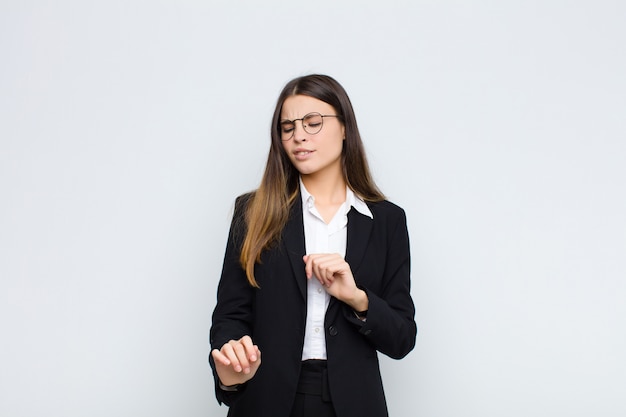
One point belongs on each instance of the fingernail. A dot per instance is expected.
(253, 358)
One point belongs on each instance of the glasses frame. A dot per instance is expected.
(293, 132)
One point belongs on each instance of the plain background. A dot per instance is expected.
(127, 128)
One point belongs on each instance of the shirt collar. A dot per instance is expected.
(352, 200)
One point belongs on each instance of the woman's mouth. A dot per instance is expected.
(302, 154)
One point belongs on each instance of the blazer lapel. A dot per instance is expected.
(293, 239)
(359, 230)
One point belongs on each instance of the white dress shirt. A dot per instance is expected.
(320, 237)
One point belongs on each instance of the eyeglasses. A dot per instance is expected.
(311, 123)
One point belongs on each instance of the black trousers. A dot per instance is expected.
(313, 396)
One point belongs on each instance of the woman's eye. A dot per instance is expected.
(287, 128)
(314, 124)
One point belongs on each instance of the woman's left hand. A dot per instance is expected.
(334, 273)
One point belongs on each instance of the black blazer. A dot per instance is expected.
(274, 314)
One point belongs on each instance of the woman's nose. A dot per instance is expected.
(299, 134)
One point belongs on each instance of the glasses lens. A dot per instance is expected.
(286, 130)
(312, 123)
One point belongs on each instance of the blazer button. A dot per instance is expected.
(332, 330)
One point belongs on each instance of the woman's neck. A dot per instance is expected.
(327, 189)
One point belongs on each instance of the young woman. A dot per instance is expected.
(316, 275)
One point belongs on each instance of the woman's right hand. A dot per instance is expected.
(237, 361)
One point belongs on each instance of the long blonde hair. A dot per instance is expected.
(268, 208)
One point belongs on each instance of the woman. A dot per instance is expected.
(316, 274)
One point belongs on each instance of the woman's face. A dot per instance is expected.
(312, 153)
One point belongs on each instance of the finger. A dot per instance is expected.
(325, 266)
(220, 357)
(325, 274)
(240, 351)
(315, 261)
(323, 270)
(230, 353)
(246, 341)
(337, 264)
(330, 273)
(318, 272)
(338, 267)
(308, 265)
(257, 362)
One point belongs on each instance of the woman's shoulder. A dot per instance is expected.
(241, 205)
(244, 199)
(386, 208)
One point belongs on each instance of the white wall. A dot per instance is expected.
(127, 128)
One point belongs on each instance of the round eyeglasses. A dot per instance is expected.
(311, 123)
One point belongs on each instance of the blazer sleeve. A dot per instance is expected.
(233, 314)
(390, 325)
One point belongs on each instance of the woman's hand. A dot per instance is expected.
(334, 273)
(237, 361)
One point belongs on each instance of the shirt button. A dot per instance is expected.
(319, 290)
(317, 330)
